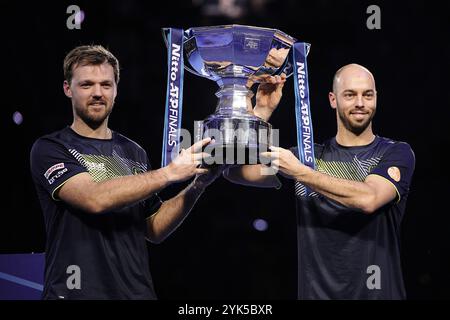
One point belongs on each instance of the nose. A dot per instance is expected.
(359, 101)
(97, 93)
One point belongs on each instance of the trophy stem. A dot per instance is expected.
(234, 100)
(239, 135)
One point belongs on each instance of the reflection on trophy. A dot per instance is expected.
(235, 56)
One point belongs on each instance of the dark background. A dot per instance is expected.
(217, 253)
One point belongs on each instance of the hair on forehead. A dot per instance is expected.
(89, 55)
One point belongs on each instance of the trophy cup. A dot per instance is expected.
(233, 56)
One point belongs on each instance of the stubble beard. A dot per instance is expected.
(355, 127)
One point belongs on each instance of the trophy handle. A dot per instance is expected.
(165, 32)
(288, 65)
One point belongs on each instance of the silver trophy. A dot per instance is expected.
(234, 56)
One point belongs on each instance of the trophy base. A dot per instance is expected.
(238, 139)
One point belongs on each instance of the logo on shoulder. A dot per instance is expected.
(53, 169)
(394, 173)
(57, 175)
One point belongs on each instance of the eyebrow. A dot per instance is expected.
(87, 81)
(354, 91)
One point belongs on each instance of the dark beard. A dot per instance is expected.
(357, 130)
(92, 122)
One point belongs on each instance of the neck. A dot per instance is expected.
(347, 138)
(100, 132)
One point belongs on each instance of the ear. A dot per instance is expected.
(67, 91)
(332, 98)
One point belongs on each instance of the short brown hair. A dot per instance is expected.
(89, 55)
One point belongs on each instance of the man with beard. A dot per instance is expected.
(348, 227)
(98, 194)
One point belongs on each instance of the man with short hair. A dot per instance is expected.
(348, 227)
(99, 194)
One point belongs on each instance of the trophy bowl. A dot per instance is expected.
(236, 56)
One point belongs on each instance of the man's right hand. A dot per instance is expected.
(187, 163)
(269, 95)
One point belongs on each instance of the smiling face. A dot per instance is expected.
(92, 90)
(354, 98)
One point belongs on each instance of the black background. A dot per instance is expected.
(217, 253)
